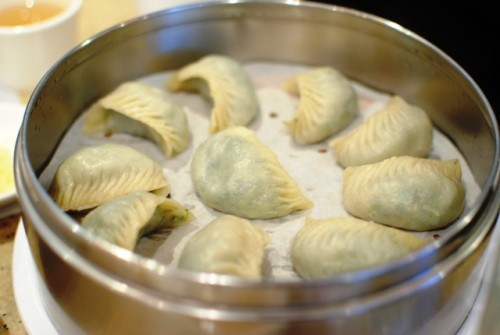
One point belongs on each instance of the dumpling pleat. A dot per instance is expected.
(123, 220)
(230, 88)
(141, 110)
(397, 130)
(405, 192)
(327, 104)
(94, 175)
(333, 246)
(228, 245)
(233, 172)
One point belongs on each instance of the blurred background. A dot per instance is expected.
(465, 31)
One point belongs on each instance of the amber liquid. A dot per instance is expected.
(23, 14)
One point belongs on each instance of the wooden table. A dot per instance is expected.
(10, 321)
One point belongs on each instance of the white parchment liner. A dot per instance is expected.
(313, 166)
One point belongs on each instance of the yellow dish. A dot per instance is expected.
(11, 115)
(6, 171)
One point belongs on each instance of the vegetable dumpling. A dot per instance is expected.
(405, 192)
(328, 103)
(233, 172)
(124, 220)
(338, 245)
(94, 175)
(399, 129)
(224, 79)
(228, 245)
(141, 110)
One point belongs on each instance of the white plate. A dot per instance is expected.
(38, 310)
(11, 116)
(26, 290)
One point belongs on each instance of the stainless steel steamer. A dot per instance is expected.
(106, 290)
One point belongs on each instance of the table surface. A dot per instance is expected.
(10, 321)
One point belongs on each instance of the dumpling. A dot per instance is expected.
(228, 85)
(328, 103)
(94, 175)
(406, 192)
(399, 129)
(228, 245)
(233, 172)
(338, 245)
(124, 220)
(141, 110)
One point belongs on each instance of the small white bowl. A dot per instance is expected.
(28, 51)
(11, 116)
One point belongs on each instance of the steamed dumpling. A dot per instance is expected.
(338, 245)
(399, 129)
(124, 220)
(405, 192)
(141, 110)
(233, 172)
(228, 85)
(94, 175)
(328, 103)
(228, 245)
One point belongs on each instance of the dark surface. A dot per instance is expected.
(466, 33)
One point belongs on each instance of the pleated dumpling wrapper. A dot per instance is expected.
(140, 110)
(124, 220)
(399, 129)
(334, 246)
(227, 84)
(328, 103)
(228, 245)
(233, 172)
(94, 175)
(406, 192)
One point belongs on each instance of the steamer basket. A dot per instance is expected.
(104, 289)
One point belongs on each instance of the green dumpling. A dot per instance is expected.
(124, 220)
(333, 246)
(233, 172)
(141, 110)
(96, 174)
